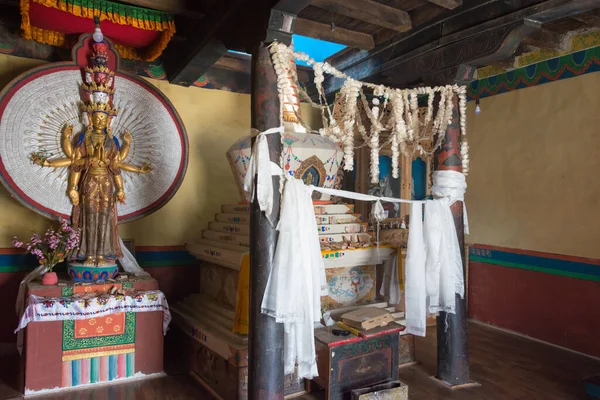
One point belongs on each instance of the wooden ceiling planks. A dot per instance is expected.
(316, 14)
(369, 11)
(449, 4)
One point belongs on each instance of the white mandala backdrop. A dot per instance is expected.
(35, 115)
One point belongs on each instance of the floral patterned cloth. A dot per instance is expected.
(41, 309)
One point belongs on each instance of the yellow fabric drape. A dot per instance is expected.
(242, 308)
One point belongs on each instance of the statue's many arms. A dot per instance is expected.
(95, 159)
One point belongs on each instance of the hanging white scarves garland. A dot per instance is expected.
(407, 133)
(434, 271)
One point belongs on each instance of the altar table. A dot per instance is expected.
(97, 349)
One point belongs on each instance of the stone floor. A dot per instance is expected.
(508, 367)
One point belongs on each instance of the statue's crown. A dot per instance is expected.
(91, 108)
(98, 88)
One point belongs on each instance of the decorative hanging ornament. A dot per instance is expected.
(397, 117)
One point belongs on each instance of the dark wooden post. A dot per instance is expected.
(265, 336)
(452, 351)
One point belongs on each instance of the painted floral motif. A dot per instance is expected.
(102, 300)
(152, 297)
(85, 303)
(64, 302)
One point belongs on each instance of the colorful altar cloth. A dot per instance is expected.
(41, 309)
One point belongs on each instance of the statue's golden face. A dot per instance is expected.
(99, 120)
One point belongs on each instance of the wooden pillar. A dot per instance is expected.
(452, 354)
(265, 336)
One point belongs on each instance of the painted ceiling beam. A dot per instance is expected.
(325, 32)
(368, 11)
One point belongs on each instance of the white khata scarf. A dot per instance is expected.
(297, 281)
(434, 270)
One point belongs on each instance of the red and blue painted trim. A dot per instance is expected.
(165, 256)
(14, 260)
(554, 69)
(555, 264)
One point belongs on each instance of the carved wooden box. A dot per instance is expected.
(348, 363)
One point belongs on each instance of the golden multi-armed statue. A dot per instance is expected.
(95, 158)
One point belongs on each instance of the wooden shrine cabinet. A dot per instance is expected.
(63, 354)
(354, 362)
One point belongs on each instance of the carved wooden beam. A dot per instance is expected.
(187, 61)
(543, 39)
(242, 63)
(589, 18)
(321, 31)
(449, 4)
(232, 63)
(368, 11)
(428, 54)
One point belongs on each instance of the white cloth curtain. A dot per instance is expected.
(297, 281)
(415, 293)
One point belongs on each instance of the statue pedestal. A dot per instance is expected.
(91, 273)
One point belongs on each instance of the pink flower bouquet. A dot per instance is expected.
(57, 244)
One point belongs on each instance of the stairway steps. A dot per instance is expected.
(240, 229)
(229, 238)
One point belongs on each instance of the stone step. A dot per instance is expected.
(239, 240)
(233, 218)
(337, 219)
(218, 253)
(340, 228)
(345, 237)
(241, 229)
(332, 209)
(216, 337)
(201, 310)
(236, 208)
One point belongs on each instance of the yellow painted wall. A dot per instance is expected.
(213, 119)
(535, 154)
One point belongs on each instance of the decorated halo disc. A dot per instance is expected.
(38, 104)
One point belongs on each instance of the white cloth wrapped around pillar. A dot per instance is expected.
(434, 270)
(297, 281)
(451, 185)
(260, 164)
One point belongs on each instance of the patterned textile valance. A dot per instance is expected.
(138, 33)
